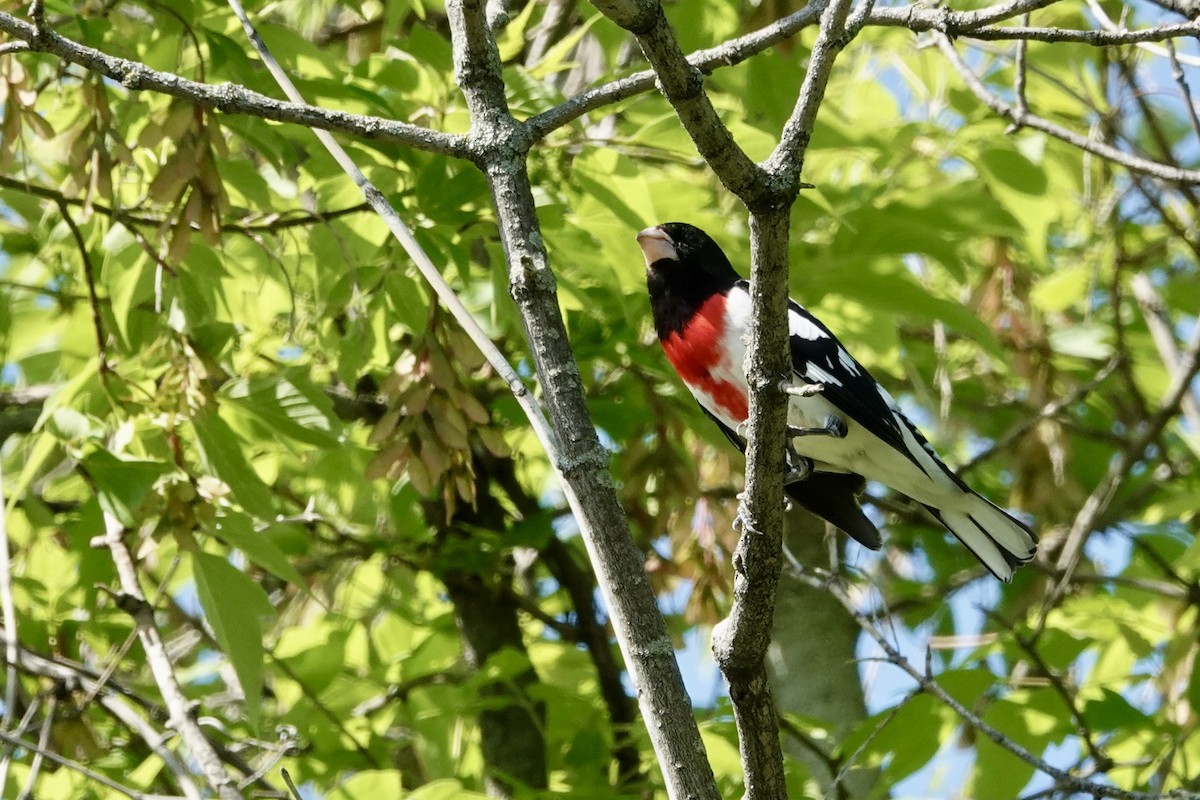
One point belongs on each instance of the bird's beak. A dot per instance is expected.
(657, 245)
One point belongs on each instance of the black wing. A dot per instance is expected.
(818, 357)
(832, 496)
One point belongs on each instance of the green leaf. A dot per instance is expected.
(1082, 341)
(446, 789)
(293, 407)
(237, 530)
(235, 608)
(1113, 712)
(68, 425)
(122, 485)
(222, 455)
(1015, 170)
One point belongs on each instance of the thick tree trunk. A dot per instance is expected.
(812, 660)
(511, 723)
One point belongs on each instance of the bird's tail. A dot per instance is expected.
(999, 540)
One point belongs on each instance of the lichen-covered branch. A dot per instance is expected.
(229, 98)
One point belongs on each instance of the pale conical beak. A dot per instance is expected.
(656, 245)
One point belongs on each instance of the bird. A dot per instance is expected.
(844, 428)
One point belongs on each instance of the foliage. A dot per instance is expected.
(228, 356)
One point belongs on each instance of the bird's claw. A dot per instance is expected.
(799, 468)
(739, 521)
(834, 427)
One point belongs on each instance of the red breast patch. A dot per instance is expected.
(695, 352)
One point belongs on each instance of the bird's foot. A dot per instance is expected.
(740, 525)
(834, 427)
(802, 389)
(739, 521)
(798, 467)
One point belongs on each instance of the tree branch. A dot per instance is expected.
(132, 601)
(155, 740)
(230, 98)
(683, 86)
(17, 741)
(1085, 521)
(1163, 335)
(576, 452)
(9, 615)
(1026, 120)
(740, 642)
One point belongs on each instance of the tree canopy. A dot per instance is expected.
(271, 506)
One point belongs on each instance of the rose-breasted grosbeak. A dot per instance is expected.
(843, 426)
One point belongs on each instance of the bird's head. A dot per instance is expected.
(679, 245)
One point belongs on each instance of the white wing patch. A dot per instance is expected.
(804, 328)
(819, 374)
(848, 362)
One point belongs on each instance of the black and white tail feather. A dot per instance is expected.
(881, 444)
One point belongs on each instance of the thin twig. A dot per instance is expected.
(1113, 29)
(10, 630)
(619, 565)
(17, 741)
(1085, 521)
(1185, 90)
(43, 744)
(1100, 758)
(1019, 76)
(287, 779)
(1048, 411)
(1027, 120)
(89, 276)
(1162, 332)
(156, 740)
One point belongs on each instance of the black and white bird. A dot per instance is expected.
(844, 428)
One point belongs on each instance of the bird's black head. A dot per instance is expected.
(684, 268)
(698, 257)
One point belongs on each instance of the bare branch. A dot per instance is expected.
(1185, 90)
(787, 160)
(1026, 120)
(706, 61)
(16, 741)
(230, 98)
(1095, 38)
(276, 221)
(1049, 411)
(578, 457)
(1164, 339)
(43, 745)
(1112, 28)
(133, 602)
(574, 449)
(1092, 509)
(89, 275)
(154, 739)
(683, 86)
(1019, 68)
(8, 610)
(740, 643)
